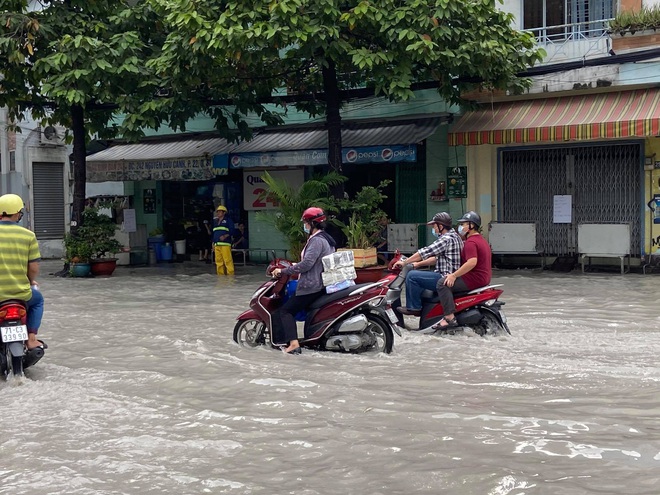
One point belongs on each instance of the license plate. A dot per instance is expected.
(392, 315)
(503, 316)
(14, 334)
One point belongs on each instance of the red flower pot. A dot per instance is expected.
(104, 267)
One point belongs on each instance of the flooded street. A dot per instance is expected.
(143, 392)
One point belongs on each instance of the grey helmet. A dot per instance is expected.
(443, 218)
(471, 216)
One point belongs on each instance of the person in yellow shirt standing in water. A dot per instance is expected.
(223, 228)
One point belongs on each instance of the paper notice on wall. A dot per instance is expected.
(563, 208)
(129, 221)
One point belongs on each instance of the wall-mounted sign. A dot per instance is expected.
(457, 182)
(149, 201)
(360, 155)
(254, 187)
(167, 169)
(562, 208)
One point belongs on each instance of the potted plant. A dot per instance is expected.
(292, 202)
(77, 254)
(640, 27)
(94, 242)
(362, 224)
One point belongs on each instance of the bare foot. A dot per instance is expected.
(293, 345)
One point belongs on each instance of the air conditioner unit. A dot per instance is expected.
(52, 135)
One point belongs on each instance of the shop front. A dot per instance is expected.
(174, 183)
(593, 154)
(372, 152)
(168, 196)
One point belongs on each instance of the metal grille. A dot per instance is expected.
(603, 180)
(411, 194)
(48, 191)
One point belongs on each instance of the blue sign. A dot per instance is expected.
(358, 155)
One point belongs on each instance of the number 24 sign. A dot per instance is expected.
(263, 200)
(255, 196)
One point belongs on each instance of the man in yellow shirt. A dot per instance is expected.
(223, 229)
(19, 264)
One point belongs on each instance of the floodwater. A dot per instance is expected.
(144, 392)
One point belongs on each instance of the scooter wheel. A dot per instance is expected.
(381, 333)
(489, 326)
(250, 333)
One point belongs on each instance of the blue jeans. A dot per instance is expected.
(35, 311)
(416, 282)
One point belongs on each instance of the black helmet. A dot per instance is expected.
(471, 216)
(443, 218)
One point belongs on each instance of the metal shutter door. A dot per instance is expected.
(604, 181)
(48, 193)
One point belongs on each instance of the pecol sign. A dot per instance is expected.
(358, 155)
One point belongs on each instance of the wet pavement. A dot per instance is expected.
(143, 391)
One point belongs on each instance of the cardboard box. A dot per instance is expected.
(363, 257)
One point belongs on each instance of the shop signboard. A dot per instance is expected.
(359, 155)
(166, 169)
(457, 179)
(254, 187)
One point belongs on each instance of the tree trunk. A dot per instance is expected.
(333, 122)
(79, 164)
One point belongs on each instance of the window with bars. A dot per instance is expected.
(556, 19)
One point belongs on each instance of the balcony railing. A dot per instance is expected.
(568, 42)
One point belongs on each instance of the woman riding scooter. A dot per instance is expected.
(310, 284)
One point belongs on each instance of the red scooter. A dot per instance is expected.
(479, 309)
(356, 319)
(14, 357)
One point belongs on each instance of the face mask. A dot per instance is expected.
(461, 230)
(306, 228)
(434, 233)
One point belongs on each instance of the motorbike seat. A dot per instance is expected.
(14, 301)
(432, 296)
(340, 294)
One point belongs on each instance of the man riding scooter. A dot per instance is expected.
(474, 272)
(446, 250)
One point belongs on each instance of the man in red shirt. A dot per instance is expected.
(475, 270)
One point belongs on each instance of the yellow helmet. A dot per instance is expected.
(221, 208)
(10, 204)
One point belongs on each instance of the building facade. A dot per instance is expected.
(586, 135)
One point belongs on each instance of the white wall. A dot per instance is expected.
(514, 7)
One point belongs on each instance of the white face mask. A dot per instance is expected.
(306, 228)
(461, 230)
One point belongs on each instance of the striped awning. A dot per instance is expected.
(596, 116)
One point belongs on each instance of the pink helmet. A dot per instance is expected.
(313, 215)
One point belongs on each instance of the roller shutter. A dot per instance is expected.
(48, 193)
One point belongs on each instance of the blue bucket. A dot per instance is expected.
(166, 252)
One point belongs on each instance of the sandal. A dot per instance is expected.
(448, 324)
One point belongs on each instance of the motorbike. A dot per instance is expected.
(479, 310)
(14, 356)
(356, 319)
